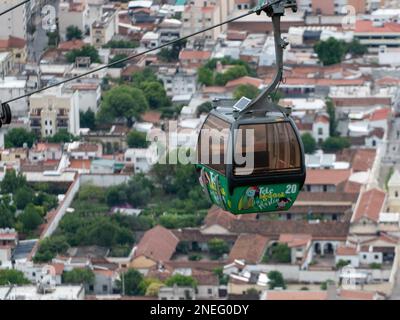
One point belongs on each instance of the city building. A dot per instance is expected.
(103, 29)
(53, 110)
(13, 23)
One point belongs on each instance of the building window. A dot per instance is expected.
(325, 188)
(396, 194)
(376, 257)
(209, 291)
(320, 131)
(105, 288)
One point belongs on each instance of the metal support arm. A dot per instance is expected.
(274, 10)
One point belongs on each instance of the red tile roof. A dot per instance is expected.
(244, 81)
(370, 205)
(380, 114)
(249, 247)
(327, 176)
(217, 216)
(363, 159)
(158, 244)
(356, 295)
(151, 116)
(366, 26)
(346, 251)
(71, 45)
(12, 42)
(295, 240)
(194, 55)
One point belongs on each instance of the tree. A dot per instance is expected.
(205, 107)
(205, 76)
(53, 38)
(117, 58)
(325, 284)
(136, 139)
(121, 44)
(147, 282)
(123, 102)
(15, 277)
(87, 119)
(276, 280)
(23, 197)
(245, 90)
(153, 289)
(330, 51)
(62, 136)
(217, 247)
(330, 108)
(30, 218)
(79, 276)
(181, 281)
(335, 144)
(155, 94)
(310, 145)
(50, 247)
(85, 51)
(116, 195)
(140, 77)
(281, 253)
(139, 190)
(73, 32)
(7, 215)
(130, 282)
(171, 54)
(342, 263)
(235, 73)
(16, 137)
(12, 182)
(356, 48)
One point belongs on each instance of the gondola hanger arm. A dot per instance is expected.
(275, 10)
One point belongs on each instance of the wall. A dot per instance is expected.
(317, 276)
(62, 208)
(104, 180)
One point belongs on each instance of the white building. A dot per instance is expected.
(30, 292)
(150, 40)
(200, 14)
(11, 87)
(178, 82)
(6, 63)
(103, 29)
(142, 159)
(169, 30)
(89, 95)
(52, 110)
(389, 56)
(394, 192)
(321, 128)
(73, 13)
(14, 22)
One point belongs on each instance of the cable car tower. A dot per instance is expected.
(250, 155)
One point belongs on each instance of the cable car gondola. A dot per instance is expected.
(250, 156)
(5, 114)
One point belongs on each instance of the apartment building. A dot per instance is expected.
(73, 13)
(330, 8)
(13, 23)
(105, 28)
(377, 34)
(53, 110)
(178, 82)
(200, 14)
